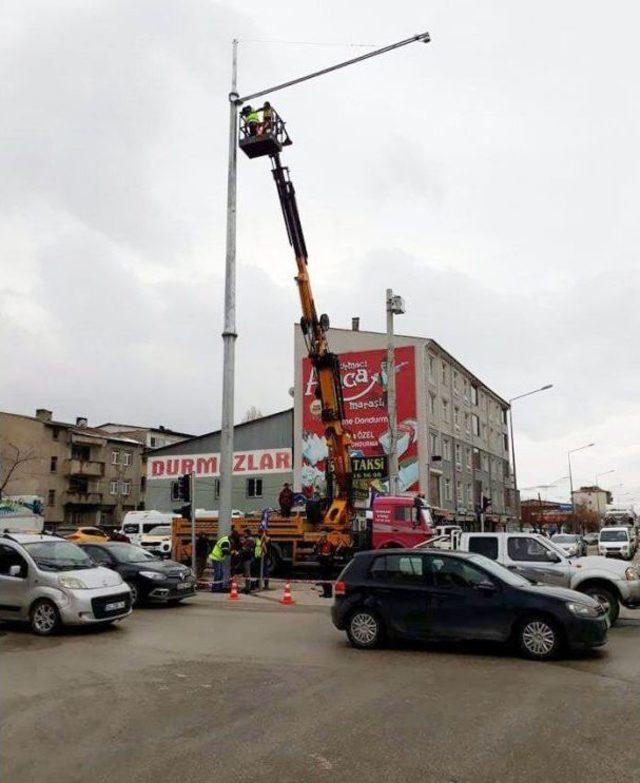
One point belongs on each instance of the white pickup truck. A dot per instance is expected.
(610, 582)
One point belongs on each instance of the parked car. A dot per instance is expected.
(590, 539)
(538, 559)
(616, 541)
(137, 523)
(149, 578)
(434, 595)
(157, 540)
(86, 535)
(571, 544)
(49, 582)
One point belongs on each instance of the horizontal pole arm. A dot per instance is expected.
(424, 37)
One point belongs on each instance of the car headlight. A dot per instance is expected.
(631, 574)
(153, 575)
(582, 610)
(71, 583)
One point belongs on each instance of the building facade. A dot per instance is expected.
(83, 475)
(150, 437)
(453, 439)
(592, 498)
(263, 462)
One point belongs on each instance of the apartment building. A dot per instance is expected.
(84, 475)
(453, 439)
(151, 437)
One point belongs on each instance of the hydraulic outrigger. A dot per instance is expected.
(268, 138)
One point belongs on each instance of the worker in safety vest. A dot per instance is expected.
(247, 554)
(220, 552)
(251, 119)
(260, 565)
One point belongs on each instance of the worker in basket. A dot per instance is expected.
(251, 120)
(267, 119)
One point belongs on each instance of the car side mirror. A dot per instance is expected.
(15, 570)
(486, 586)
(552, 557)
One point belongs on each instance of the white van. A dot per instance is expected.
(138, 523)
(616, 541)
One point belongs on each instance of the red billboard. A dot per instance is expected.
(364, 390)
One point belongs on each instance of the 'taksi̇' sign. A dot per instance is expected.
(254, 461)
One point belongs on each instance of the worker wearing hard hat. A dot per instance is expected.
(220, 552)
(251, 119)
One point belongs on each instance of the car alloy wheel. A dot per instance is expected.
(608, 600)
(44, 618)
(538, 638)
(134, 593)
(364, 629)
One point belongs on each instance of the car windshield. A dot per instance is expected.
(59, 556)
(613, 535)
(563, 538)
(502, 573)
(128, 553)
(161, 530)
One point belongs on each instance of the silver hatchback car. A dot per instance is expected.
(49, 582)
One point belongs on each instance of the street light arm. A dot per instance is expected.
(528, 394)
(424, 37)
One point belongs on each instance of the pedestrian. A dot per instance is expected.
(236, 551)
(260, 564)
(202, 553)
(247, 554)
(285, 499)
(325, 552)
(220, 552)
(418, 504)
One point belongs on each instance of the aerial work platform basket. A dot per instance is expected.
(262, 131)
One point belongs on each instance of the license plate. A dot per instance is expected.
(113, 607)
(184, 586)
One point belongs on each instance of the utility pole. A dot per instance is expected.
(395, 306)
(229, 334)
(192, 496)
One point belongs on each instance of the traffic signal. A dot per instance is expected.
(181, 489)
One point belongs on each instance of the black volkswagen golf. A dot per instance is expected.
(429, 594)
(149, 578)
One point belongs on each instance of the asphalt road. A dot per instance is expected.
(253, 691)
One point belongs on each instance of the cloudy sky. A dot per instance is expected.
(491, 177)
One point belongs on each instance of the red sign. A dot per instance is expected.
(364, 390)
(256, 461)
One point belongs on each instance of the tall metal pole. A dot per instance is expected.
(570, 483)
(513, 464)
(192, 495)
(229, 334)
(391, 399)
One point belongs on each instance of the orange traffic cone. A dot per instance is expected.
(287, 598)
(233, 595)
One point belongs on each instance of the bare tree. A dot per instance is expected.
(583, 520)
(12, 457)
(252, 414)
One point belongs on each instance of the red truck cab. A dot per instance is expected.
(396, 522)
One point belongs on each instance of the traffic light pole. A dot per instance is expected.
(192, 496)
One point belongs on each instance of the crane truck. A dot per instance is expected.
(395, 521)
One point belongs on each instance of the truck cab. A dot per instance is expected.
(398, 522)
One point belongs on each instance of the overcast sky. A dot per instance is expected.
(490, 177)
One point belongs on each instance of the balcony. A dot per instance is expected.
(81, 467)
(83, 498)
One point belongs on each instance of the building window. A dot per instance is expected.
(432, 368)
(433, 438)
(444, 374)
(485, 463)
(465, 387)
(53, 465)
(456, 380)
(504, 415)
(474, 395)
(446, 449)
(254, 488)
(459, 493)
(445, 410)
(475, 424)
(468, 455)
(55, 432)
(51, 497)
(467, 423)
(115, 457)
(447, 489)
(469, 496)
(505, 441)
(125, 487)
(458, 450)
(143, 483)
(152, 442)
(126, 458)
(432, 404)
(456, 417)
(113, 487)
